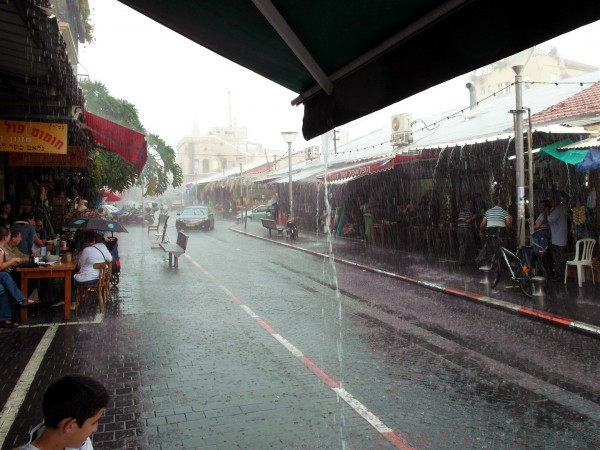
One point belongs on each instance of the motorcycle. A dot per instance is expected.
(132, 216)
(292, 229)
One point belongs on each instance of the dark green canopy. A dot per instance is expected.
(348, 58)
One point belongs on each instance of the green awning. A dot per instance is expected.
(569, 157)
(348, 58)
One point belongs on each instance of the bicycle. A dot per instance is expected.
(521, 273)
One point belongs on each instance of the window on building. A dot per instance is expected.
(205, 166)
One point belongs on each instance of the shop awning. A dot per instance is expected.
(586, 144)
(348, 58)
(369, 168)
(128, 144)
(584, 155)
(567, 157)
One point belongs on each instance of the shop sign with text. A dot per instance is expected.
(76, 157)
(33, 137)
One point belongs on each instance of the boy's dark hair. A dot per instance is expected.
(76, 396)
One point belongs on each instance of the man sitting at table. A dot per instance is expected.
(11, 248)
(93, 252)
(26, 225)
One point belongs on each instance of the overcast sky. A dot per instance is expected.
(174, 82)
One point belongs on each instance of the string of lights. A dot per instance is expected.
(433, 126)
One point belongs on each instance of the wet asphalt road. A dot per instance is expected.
(194, 358)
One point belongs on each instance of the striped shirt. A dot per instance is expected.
(495, 217)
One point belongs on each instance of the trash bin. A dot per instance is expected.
(368, 227)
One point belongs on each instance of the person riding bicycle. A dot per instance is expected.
(496, 221)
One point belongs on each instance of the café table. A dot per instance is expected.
(62, 270)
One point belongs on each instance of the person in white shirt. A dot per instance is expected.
(93, 252)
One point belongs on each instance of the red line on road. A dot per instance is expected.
(405, 278)
(463, 293)
(265, 325)
(320, 373)
(544, 315)
(398, 441)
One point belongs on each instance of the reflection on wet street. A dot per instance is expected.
(249, 344)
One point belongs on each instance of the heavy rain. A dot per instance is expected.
(202, 267)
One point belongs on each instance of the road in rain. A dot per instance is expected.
(250, 344)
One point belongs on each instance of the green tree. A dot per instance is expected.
(108, 169)
(88, 26)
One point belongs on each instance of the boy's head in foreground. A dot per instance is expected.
(72, 406)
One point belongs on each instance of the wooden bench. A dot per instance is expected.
(270, 225)
(175, 250)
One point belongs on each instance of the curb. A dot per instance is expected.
(530, 313)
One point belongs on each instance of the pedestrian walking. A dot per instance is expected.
(466, 233)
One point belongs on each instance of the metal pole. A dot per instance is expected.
(291, 214)
(520, 162)
(335, 139)
(289, 137)
(530, 178)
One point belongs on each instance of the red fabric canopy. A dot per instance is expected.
(127, 143)
(109, 196)
(369, 167)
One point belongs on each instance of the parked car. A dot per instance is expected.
(256, 213)
(177, 205)
(195, 217)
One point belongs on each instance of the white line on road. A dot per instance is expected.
(17, 397)
(392, 436)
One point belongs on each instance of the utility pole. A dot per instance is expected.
(229, 100)
(335, 139)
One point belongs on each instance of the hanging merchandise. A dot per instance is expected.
(578, 214)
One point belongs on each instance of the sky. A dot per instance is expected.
(175, 83)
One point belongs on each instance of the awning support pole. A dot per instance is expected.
(291, 39)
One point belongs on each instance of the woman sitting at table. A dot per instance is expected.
(11, 295)
(93, 252)
(8, 288)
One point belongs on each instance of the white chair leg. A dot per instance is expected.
(566, 272)
(580, 274)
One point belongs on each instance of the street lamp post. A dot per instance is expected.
(518, 63)
(289, 137)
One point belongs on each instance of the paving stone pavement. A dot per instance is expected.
(181, 366)
(181, 363)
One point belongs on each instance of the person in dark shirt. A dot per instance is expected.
(25, 225)
(5, 214)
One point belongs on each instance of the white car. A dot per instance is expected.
(256, 213)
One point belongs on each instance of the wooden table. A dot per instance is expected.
(54, 271)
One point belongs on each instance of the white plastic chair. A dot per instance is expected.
(583, 258)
